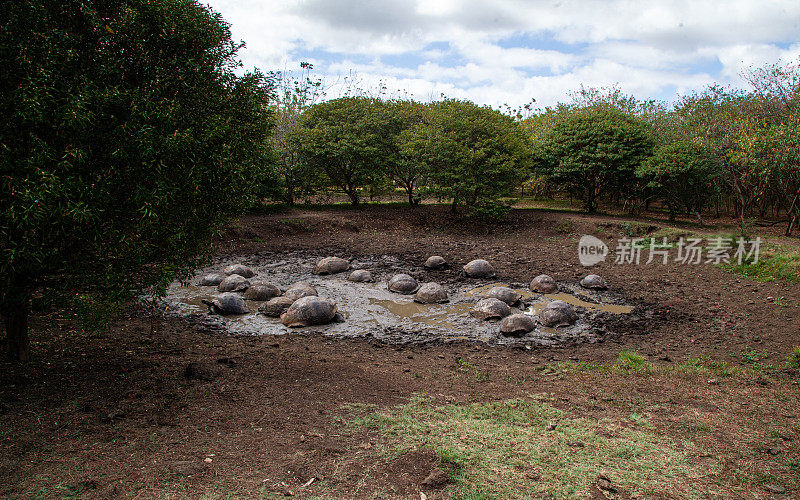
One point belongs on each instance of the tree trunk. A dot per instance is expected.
(699, 217)
(15, 319)
(792, 213)
(353, 197)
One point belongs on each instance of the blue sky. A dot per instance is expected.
(509, 52)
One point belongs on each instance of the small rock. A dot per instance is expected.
(713, 381)
(208, 460)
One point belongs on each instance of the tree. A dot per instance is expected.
(350, 139)
(296, 93)
(127, 140)
(406, 170)
(594, 153)
(682, 174)
(473, 154)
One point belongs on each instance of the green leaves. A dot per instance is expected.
(593, 154)
(472, 155)
(128, 141)
(350, 141)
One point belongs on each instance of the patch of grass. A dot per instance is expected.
(793, 359)
(575, 366)
(502, 450)
(466, 367)
(753, 356)
(565, 225)
(776, 262)
(704, 364)
(633, 229)
(632, 361)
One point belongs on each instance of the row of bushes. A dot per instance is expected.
(736, 151)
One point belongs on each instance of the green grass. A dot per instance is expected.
(503, 450)
(565, 225)
(631, 361)
(776, 262)
(793, 359)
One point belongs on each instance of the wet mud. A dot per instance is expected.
(371, 310)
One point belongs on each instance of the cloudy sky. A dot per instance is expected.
(505, 51)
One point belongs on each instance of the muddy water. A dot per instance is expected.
(370, 309)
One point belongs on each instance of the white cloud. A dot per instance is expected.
(650, 50)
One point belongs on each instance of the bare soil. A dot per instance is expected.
(158, 407)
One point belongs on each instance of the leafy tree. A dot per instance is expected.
(474, 155)
(127, 140)
(350, 139)
(682, 174)
(296, 93)
(595, 153)
(406, 170)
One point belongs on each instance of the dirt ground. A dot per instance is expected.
(159, 408)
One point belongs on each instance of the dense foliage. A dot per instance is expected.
(350, 141)
(126, 140)
(595, 153)
(472, 155)
(682, 175)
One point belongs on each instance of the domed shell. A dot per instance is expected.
(211, 279)
(360, 276)
(544, 284)
(517, 324)
(261, 290)
(227, 303)
(309, 311)
(299, 290)
(431, 293)
(593, 281)
(507, 295)
(558, 313)
(233, 283)
(435, 262)
(403, 283)
(275, 306)
(239, 269)
(490, 309)
(479, 268)
(331, 265)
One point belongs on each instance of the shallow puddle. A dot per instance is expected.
(370, 309)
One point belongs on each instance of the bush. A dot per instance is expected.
(127, 140)
(593, 154)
